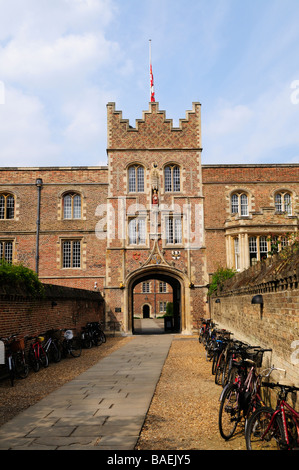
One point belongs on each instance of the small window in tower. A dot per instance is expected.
(136, 179)
(172, 182)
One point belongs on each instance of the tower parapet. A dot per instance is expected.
(154, 130)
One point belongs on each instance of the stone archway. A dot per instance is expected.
(180, 287)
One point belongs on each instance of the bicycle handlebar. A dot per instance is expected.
(286, 388)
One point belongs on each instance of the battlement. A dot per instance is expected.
(154, 130)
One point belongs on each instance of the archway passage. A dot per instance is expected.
(155, 323)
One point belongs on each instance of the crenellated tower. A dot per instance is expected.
(155, 212)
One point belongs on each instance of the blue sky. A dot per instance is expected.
(61, 61)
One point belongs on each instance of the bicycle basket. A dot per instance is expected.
(17, 345)
(68, 334)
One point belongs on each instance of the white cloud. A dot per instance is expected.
(34, 61)
(253, 132)
(24, 132)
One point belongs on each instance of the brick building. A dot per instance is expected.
(154, 216)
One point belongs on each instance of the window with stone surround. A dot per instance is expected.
(239, 204)
(137, 231)
(173, 230)
(72, 206)
(6, 251)
(136, 179)
(162, 287)
(7, 206)
(146, 287)
(172, 179)
(71, 254)
(283, 202)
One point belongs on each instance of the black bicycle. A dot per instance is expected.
(71, 345)
(15, 361)
(92, 335)
(52, 345)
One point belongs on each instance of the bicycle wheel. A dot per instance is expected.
(34, 363)
(43, 357)
(75, 347)
(104, 339)
(216, 356)
(229, 412)
(54, 352)
(22, 368)
(259, 437)
(219, 370)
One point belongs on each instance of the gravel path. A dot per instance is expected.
(184, 411)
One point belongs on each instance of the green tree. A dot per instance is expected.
(169, 309)
(218, 278)
(19, 276)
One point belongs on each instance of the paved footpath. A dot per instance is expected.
(103, 408)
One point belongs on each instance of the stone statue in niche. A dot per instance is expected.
(155, 198)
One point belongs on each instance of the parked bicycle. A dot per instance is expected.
(204, 331)
(52, 345)
(71, 345)
(274, 429)
(92, 335)
(37, 355)
(240, 398)
(15, 361)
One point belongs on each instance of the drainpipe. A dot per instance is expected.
(39, 184)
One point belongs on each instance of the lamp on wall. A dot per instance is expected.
(257, 299)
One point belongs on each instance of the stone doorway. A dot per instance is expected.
(146, 311)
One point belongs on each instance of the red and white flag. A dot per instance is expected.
(151, 77)
(152, 84)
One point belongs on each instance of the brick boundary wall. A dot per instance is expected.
(61, 307)
(273, 325)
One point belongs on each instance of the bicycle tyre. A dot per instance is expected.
(257, 425)
(103, 336)
(75, 347)
(229, 412)
(22, 368)
(54, 352)
(219, 370)
(43, 358)
(34, 363)
(216, 356)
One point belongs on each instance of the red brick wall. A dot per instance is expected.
(276, 324)
(23, 315)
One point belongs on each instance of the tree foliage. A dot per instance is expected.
(19, 276)
(219, 277)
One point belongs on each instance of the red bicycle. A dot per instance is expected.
(37, 355)
(278, 429)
